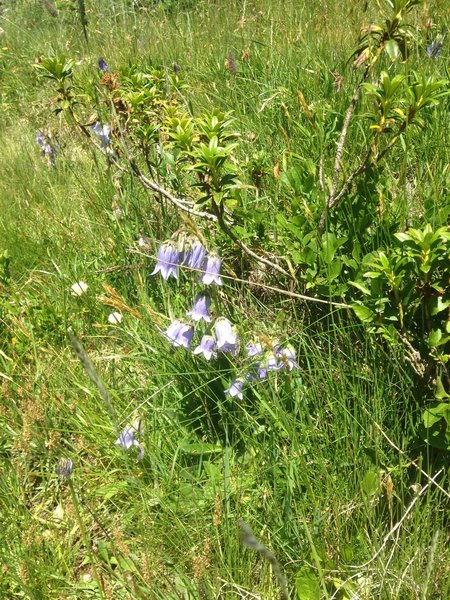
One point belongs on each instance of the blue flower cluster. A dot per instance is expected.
(102, 133)
(434, 50)
(48, 150)
(222, 336)
(190, 254)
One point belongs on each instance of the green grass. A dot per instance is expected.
(318, 461)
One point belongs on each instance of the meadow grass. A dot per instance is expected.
(318, 461)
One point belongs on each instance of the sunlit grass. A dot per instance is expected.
(317, 461)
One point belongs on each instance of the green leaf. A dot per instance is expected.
(364, 289)
(435, 337)
(439, 304)
(392, 49)
(435, 413)
(364, 313)
(307, 585)
(371, 483)
(440, 392)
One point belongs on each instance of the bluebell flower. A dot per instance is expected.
(128, 438)
(211, 269)
(262, 372)
(287, 358)
(226, 336)
(102, 132)
(254, 349)
(64, 468)
(272, 363)
(196, 255)
(434, 50)
(102, 66)
(167, 261)
(231, 348)
(206, 347)
(235, 389)
(47, 150)
(200, 309)
(180, 334)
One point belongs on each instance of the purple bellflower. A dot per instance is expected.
(254, 349)
(211, 269)
(167, 261)
(102, 65)
(434, 50)
(226, 336)
(47, 149)
(206, 347)
(262, 372)
(128, 438)
(200, 309)
(196, 255)
(64, 468)
(235, 389)
(287, 358)
(102, 132)
(180, 334)
(272, 363)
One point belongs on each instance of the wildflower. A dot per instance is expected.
(200, 309)
(79, 288)
(128, 438)
(64, 468)
(115, 318)
(167, 261)
(47, 149)
(272, 363)
(180, 334)
(434, 50)
(206, 347)
(103, 134)
(102, 66)
(235, 389)
(262, 372)
(231, 348)
(287, 358)
(254, 349)
(143, 242)
(225, 335)
(196, 255)
(211, 268)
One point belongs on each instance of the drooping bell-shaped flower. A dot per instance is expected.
(287, 358)
(235, 389)
(167, 261)
(180, 334)
(200, 309)
(211, 270)
(206, 347)
(272, 363)
(434, 50)
(102, 66)
(262, 372)
(102, 133)
(47, 150)
(64, 468)
(196, 255)
(226, 336)
(254, 349)
(128, 438)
